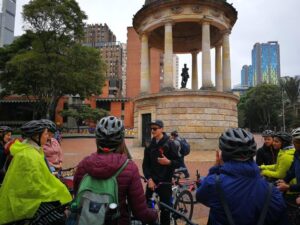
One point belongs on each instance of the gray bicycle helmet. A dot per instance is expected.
(237, 144)
(267, 133)
(50, 125)
(5, 129)
(296, 133)
(285, 138)
(33, 127)
(109, 133)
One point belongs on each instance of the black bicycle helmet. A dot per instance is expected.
(50, 125)
(267, 133)
(237, 144)
(174, 133)
(5, 129)
(109, 133)
(285, 137)
(33, 127)
(296, 133)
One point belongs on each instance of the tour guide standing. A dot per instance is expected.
(161, 158)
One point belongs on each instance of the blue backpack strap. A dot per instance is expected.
(223, 200)
(263, 214)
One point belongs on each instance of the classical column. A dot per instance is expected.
(206, 67)
(194, 71)
(218, 68)
(168, 57)
(145, 72)
(226, 63)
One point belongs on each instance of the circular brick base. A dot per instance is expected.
(199, 116)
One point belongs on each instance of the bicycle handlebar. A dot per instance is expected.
(180, 215)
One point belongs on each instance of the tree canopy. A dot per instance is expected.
(259, 107)
(47, 61)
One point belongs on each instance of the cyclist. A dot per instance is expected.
(293, 172)
(5, 136)
(52, 148)
(28, 181)
(267, 155)
(282, 141)
(161, 158)
(110, 156)
(176, 138)
(244, 189)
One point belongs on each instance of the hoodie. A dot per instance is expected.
(104, 166)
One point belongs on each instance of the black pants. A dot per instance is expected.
(164, 192)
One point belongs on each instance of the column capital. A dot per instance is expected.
(195, 52)
(169, 22)
(226, 31)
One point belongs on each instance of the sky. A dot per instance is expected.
(258, 21)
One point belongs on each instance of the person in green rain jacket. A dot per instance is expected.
(28, 181)
(282, 141)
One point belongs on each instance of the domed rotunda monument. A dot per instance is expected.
(194, 27)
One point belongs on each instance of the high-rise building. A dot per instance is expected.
(7, 21)
(266, 62)
(247, 76)
(96, 34)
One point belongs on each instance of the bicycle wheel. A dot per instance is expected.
(185, 205)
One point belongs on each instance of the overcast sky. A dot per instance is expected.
(258, 21)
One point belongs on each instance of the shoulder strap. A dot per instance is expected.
(265, 208)
(121, 168)
(223, 200)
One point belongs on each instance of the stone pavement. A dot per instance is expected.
(75, 149)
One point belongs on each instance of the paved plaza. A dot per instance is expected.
(76, 149)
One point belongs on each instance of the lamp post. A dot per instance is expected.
(283, 115)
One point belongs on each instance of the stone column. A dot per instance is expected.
(145, 70)
(194, 71)
(168, 57)
(206, 66)
(226, 63)
(218, 69)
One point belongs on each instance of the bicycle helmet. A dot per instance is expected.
(285, 137)
(50, 125)
(296, 133)
(267, 133)
(32, 128)
(109, 133)
(5, 129)
(237, 144)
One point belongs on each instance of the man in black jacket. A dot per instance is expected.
(266, 155)
(161, 158)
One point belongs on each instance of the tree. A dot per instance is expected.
(260, 107)
(84, 113)
(55, 64)
(291, 85)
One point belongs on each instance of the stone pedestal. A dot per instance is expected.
(199, 116)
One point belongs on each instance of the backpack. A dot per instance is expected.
(91, 205)
(184, 147)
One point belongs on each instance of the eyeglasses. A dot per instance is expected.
(154, 128)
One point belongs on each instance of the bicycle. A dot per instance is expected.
(175, 215)
(182, 199)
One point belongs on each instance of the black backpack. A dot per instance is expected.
(184, 147)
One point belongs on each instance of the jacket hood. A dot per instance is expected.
(103, 166)
(18, 146)
(241, 169)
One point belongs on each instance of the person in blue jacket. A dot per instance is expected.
(243, 187)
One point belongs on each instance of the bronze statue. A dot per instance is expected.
(185, 76)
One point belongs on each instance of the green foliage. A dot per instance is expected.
(260, 106)
(85, 113)
(46, 62)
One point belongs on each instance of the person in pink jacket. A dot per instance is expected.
(52, 149)
(110, 156)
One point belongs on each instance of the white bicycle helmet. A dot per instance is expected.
(296, 133)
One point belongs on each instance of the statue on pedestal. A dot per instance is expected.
(185, 76)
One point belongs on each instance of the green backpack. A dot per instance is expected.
(93, 198)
